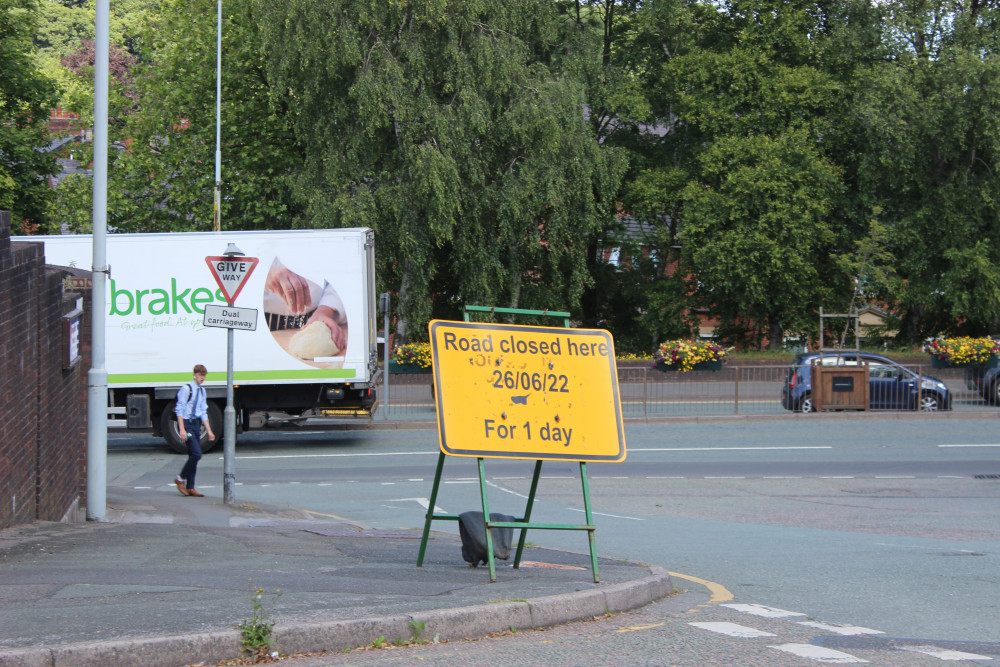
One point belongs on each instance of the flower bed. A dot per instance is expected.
(963, 352)
(411, 358)
(689, 355)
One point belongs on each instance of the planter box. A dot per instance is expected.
(938, 362)
(396, 367)
(700, 366)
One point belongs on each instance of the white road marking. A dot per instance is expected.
(848, 630)
(761, 610)
(818, 653)
(506, 490)
(968, 445)
(728, 449)
(733, 630)
(423, 502)
(332, 456)
(944, 654)
(613, 516)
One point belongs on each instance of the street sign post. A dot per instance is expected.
(231, 273)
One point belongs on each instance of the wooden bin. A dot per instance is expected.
(840, 387)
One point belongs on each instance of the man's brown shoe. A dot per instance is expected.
(180, 486)
(192, 492)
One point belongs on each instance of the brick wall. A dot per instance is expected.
(42, 406)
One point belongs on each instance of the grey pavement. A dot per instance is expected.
(166, 580)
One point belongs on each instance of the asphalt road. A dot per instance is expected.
(889, 525)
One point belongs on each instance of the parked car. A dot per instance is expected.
(891, 386)
(989, 386)
(973, 376)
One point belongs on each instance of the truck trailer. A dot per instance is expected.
(305, 285)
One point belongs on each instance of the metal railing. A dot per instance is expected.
(649, 393)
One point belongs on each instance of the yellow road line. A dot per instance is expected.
(332, 516)
(640, 627)
(719, 592)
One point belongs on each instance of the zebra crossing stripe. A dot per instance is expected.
(733, 630)
(944, 654)
(761, 610)
(818, 653)
(847, 630)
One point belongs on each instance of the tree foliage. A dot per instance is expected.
(453, 131)
(749, 159)
(25, 99)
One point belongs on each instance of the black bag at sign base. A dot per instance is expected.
(473, 531)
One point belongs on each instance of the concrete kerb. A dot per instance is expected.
(467, 622)
(169, 651)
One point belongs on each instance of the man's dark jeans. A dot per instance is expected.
(190, 469)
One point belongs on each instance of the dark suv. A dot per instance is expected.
(890, 385)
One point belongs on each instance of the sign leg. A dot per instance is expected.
(527, 513)
(430, 510)
(486, 521)
(590, 520)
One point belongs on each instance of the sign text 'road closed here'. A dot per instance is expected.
(511, 391)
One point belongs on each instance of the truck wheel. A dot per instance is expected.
(168, 424)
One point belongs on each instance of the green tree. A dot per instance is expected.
(25, 99)
(644, 297)
(61, 28)
(455, 132)
(929, 118)
(756, 230)
(752, 190)
(162, 177)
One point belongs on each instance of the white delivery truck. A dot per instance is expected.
(287, 368)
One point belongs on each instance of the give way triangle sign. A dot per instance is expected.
(231, 273)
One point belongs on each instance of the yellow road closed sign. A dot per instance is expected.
(525, 392)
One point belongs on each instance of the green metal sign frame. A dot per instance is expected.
(523, 523)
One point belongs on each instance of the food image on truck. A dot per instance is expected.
(308, 320)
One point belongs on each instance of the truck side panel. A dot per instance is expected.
(160, 284)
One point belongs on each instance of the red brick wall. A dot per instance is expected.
(42, 406)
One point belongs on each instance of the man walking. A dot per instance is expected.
(192, 412)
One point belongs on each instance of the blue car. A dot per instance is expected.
(891, 385)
